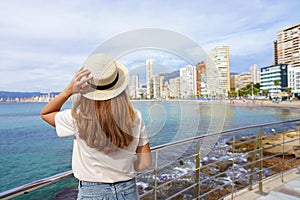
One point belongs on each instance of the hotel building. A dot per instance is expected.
(272, 74)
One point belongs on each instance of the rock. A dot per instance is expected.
(223, 166)
(68, 193)
(181, 162)
(241, 145)
(290, 147)
(272, 144)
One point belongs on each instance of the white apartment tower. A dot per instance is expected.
(287, 51)
(149, 73)
(288, 46)
(133, 86)
(188, 82)
(255, 74)
(158, 85)
(294, 79)
(221, 59)
(242, 79)
(174, 87)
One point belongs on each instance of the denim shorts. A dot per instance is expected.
(125, 190)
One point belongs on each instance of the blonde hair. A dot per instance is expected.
(105, 125)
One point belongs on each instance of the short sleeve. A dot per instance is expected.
(64, 123)
(143, 139)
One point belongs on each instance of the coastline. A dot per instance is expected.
(283, 104)
(248, 102)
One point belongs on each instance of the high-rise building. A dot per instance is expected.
(294, 80)
(149, 73)
(188, 82)
(255, 74)
(221, 59)
(274, 78)
(288, 46)
(133, 86)
(275, 53)
(174, 87)
(287, 51)
(241, 80)
(200, 76)
(158, 85)
(233, 81)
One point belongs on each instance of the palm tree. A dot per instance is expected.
(265, 92)
(288, 90)
(276, 82)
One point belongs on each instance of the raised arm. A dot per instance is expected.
(144, 158)
(75, 86)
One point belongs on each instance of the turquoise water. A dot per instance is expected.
(30, 149)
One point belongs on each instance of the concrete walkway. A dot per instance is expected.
(274, 189)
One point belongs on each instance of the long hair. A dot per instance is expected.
(105, 125)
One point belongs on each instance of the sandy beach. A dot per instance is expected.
(283, 104)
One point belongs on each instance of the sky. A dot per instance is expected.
(43, 43)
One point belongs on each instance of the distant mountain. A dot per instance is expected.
(171, 75)
(4, 94)
(157, 69)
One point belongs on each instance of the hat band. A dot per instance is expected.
(105, 87)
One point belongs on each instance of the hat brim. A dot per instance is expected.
(112, 92)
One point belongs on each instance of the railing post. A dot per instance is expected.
(198, 170)
(233, 152)
(282, 155)
(253, 160)
(260, 162)
(298, 133)
(155, 175)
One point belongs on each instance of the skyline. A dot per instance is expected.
(42, 44)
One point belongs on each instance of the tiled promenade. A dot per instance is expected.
(274, 189)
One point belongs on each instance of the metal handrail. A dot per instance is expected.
(24, 189)
(59, 177)
(191, 139)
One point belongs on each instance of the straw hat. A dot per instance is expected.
(110, 77)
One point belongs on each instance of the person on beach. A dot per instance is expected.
(110, 141)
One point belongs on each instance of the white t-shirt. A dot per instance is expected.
(91, 165)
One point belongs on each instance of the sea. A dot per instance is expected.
(30, 149)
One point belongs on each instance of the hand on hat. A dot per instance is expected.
(77, 85)
(79, 82)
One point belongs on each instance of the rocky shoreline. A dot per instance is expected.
(219, 172)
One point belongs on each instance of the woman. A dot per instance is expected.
(110, 141)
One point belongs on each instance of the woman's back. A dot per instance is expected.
(110, 140)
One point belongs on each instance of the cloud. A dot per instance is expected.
(44, 40)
